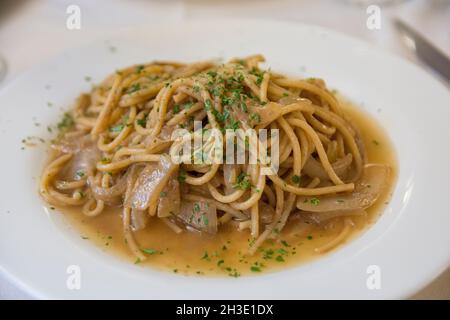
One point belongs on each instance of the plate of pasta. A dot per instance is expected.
(166, 167)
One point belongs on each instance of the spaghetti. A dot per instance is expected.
(114, 145)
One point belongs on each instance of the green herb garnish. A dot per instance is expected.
(182, 176)
(66, 122)
(243, 182)
(149, 251)
(117, 128)
(205, 256)
(135, 87)
(196, 207)
(80, 173)
(255, 269)
(296, 179)
(139, 68)
(142, 122)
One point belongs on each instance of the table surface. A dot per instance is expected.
(25, 23)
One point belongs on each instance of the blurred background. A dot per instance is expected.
(33, 31)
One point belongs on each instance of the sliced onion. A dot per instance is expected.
(166, 133)
(313, 168)
(200, 215)
(320, 217)
(267, 113)
(201, 190)
(139, 219)
(149, 184)
(169, 202)
(266, 212)
(285, 101)
(109, 195)
(366, 192)
(86, 156)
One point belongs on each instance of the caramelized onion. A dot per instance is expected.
(169, 201)
(149, 184)
(314, 168)
(266, 212)
(86, 156)
(200, 215)
(366, 192)
(320, 217)
(109, 195)
(139, 219)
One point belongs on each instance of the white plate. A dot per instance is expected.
(410, 243)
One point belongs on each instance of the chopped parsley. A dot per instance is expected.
(152, 78)
(188, 104)
(255, 117)
(196, 207)
(208, 105)
(176, 108)
(233, 124)
(182, 176)
(149, 251)
(105, 160)
(296, 179)
(143, 122)
(233, 273)
(205, 220)
(243, 182)
(255, 269)
(212, 74)
(139, 68)
(205, 256)
(268, 254)
(284, 243)
(80, 173)
(258, 74)
(117, 128)
(135, 87)
(66, 122)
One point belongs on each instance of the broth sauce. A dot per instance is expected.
(189, 253)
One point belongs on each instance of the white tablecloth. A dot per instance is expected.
(35, 30)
